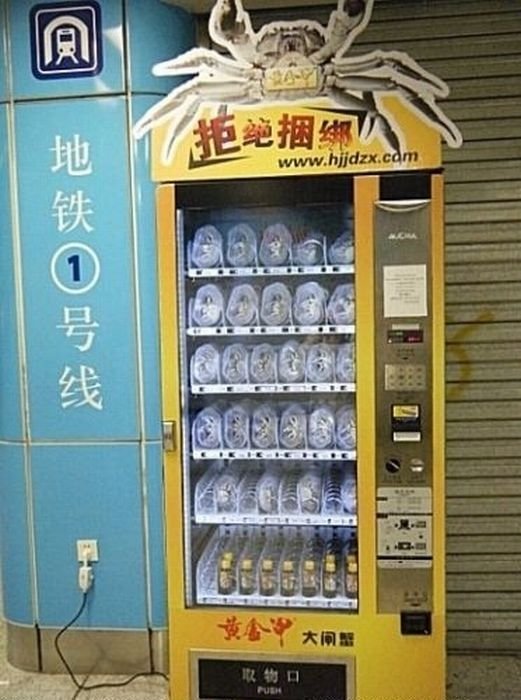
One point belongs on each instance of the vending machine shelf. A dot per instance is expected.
(200, 273)
(201, 331)
(297, 388)
(248, 519)
(253, 454)
(278, 601)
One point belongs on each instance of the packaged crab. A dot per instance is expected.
(346, 428)
(226, 491)
(264, 427)
(275, 246)
(268, 492)
(207, 429)
(243, 306)
(236, 427)
(345, 362)
(204, 365)
(292, 427)
(234, 364)
(321, 428)
(310, 490)
(341, 251)
(207, 309)
(309, 251)
(309, 304)
(341, 305)
(206, 250)
(320, 363)
(292, 362)
(263, 364)
(276, 305)
(241, 246)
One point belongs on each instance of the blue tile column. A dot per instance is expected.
(80, 450)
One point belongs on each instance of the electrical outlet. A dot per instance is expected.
(87, 550)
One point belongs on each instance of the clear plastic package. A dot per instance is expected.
(292, 362)
(309, 304)
(264, 424)
(341, 251)
(241, 246)
(208, 306)
(226, 494)
(345, 362)
(234, 365)
(320, 363)
(341, 305)
(237, 427)
(346, 428)
(243, 306)
(321, 428)
(310, 250)
(276, 305)
(268, 492)
(275, 247)
(333, 491)
(310, 491)
(207, 429)
(207, 247)
(349, 493)
(288, 492)
(292, 427)
(204, 365)
(263, 364)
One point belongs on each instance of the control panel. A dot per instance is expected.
(403, 328)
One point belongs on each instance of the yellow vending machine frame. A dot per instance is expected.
(389, 644)
(393, 646)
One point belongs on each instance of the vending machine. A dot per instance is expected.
(301, 269)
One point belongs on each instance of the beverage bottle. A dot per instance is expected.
(267, 585)
(351, 576)
(288, 579)
(309, 578)
(226, 578)
(329, 578)
(246, 577)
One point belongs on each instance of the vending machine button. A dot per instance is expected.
(393, 465)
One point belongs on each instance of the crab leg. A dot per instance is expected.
(395, 64)
(374, 118)
(412, 92)
(200, 60)
(174, 103)
(182, 112)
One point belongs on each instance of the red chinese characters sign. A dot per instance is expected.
(255, 629)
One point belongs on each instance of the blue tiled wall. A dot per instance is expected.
(80, 450)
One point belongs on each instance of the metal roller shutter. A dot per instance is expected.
(475, 46)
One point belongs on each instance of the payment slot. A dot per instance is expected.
(403, 329)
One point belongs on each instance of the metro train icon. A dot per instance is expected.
(66, 40)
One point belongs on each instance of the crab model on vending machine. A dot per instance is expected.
(299, 60)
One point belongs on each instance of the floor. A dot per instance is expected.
(469, 678)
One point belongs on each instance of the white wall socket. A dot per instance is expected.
(87, 550)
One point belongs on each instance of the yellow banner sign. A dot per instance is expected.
(280, 139)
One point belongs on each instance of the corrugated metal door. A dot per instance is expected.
(475, 46)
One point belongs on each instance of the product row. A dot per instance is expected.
(265, 490)
(269, 426)
(274, 246)
(317, 563)
(267, 363)
(309, 304)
